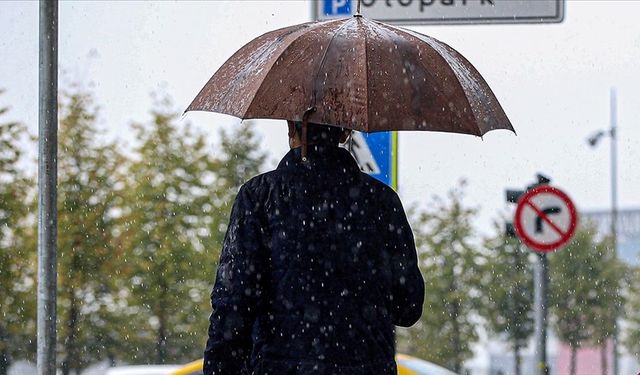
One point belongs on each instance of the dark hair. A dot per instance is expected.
(321, 134)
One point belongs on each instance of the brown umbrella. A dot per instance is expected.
(355, 73)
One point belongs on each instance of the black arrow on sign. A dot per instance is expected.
(546, 211)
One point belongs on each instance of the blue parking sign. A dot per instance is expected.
(337, 7)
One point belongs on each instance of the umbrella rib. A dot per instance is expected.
(428, 41)
(366, 79)
(453, 56)
(278, 36)
(314, 25)
(324, 57)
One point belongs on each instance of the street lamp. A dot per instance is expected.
(595, 138)
(593, 142)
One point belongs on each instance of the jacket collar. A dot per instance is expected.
(320, 156)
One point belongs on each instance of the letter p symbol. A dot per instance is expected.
(337, 7)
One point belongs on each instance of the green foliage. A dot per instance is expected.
(238, 158)
(508, 298)
(138, 237)
(610, 277)
(584, 279)
(164, 229)
(17, 277)
(179, 196)
(88, 179)
(449, 261)
(632, 337)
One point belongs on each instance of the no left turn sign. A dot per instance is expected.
(545, 219)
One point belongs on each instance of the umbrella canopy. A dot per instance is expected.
(355, 73)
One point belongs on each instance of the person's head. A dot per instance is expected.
(316, 134)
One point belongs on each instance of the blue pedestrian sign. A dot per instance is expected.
(337, 7)
(377, 155)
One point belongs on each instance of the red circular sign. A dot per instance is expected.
(545, 218)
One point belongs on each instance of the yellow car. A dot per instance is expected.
(407, 365)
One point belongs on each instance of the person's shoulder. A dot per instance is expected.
(385, 195)
(261, 182)
(377, 186)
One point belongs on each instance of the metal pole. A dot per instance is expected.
(614, 215)
(541, 293)
(47, 189)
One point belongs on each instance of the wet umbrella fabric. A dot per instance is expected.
(356, 73)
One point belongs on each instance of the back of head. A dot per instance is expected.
(321, 134)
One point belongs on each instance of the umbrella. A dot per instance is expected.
(354, 73)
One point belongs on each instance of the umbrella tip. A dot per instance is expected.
(358, 10)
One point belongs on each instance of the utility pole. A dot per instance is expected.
(47, 186)
(614, 213)
(593, 141)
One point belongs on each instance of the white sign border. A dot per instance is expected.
(557, 18)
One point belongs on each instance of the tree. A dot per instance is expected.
(449, 261)
(88, 179)
(166, 225)
(583, 277)
(632, 339)
(238, 158)
(610, 301)
(17, 276)
(508, 308)
(181, 195)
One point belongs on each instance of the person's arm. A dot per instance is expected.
(407, 283)
(237, 290)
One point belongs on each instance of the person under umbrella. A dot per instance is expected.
(318, 265)
(319, 262)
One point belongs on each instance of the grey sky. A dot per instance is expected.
(553, 81)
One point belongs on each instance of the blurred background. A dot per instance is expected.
(145, 191)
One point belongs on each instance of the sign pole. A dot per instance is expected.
(47, 187)
(541, 298)
(394, 160)
(545, 220)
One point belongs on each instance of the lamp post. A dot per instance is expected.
(593, 141)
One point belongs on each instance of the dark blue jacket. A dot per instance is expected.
(318, 265)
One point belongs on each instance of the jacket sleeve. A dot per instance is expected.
(237, 290)
(407, 283)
